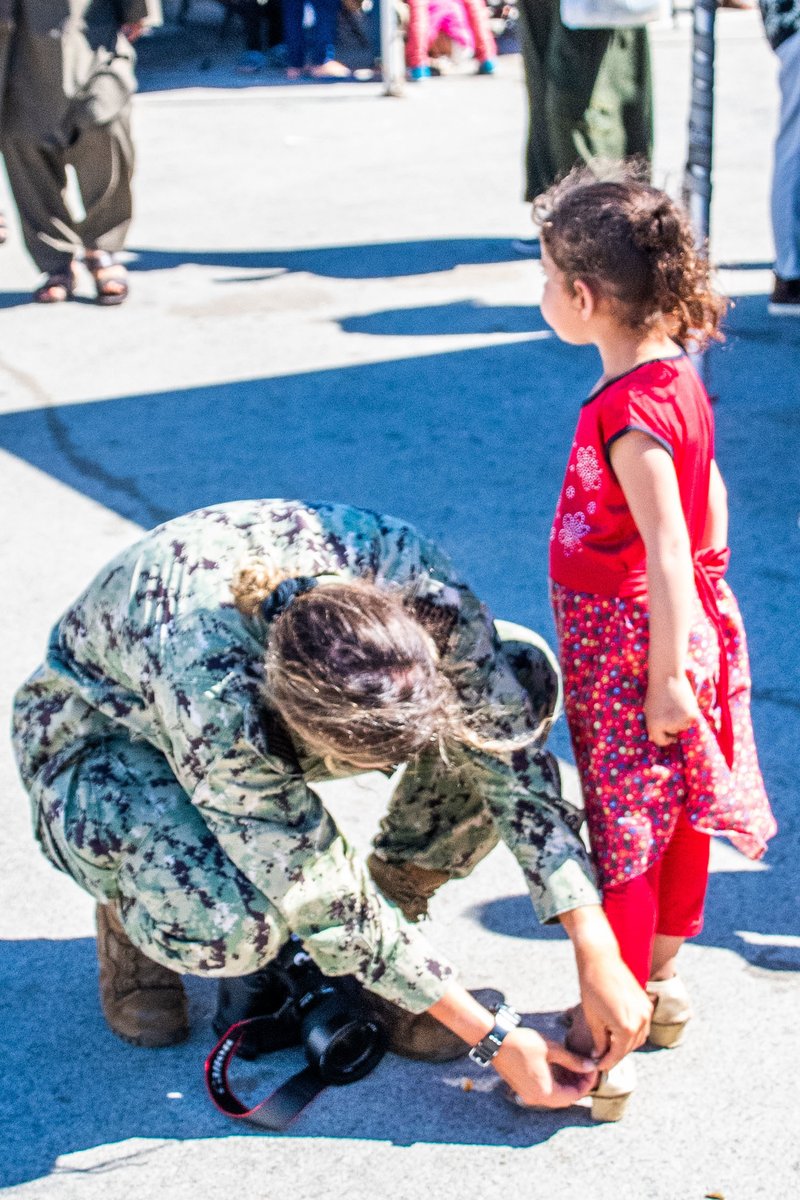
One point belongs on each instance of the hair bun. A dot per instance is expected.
(655, 231)
(282, 596)
(253, 582)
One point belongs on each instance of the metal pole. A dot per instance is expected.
(392, 52)
(698, 175)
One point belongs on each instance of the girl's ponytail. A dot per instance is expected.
(681, 275)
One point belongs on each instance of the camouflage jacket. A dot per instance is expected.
(156, 645)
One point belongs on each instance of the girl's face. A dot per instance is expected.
(564, 308)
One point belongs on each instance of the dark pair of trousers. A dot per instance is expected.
(589, 94)
(103, 161)
(263, 24)
(322, 36)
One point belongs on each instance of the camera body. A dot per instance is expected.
(289, 1003)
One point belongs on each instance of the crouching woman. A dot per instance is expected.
(236, 655)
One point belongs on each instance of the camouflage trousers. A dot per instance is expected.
(108, 811)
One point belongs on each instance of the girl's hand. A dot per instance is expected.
(541, 1072)
(670, 707)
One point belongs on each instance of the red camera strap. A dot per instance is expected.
(279, 1109)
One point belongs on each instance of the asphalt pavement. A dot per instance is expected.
(325, 304)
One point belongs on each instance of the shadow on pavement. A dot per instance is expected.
(462, 316)
(470, 446)
(96, 1090)
(737, 905)
(379, 260)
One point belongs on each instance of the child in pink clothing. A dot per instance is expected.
(449, 28)
(652, 646)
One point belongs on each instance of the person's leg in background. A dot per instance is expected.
(103, 159)
(292, 15)
(38, 181)
(417, 40)
(785, 198)
(324, 64)
(485, 45)
(536, 18)
(253, 58)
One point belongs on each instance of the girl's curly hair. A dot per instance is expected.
(630, 242)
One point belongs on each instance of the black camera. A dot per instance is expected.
(289, 1003)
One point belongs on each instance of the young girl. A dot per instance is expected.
(656, 676)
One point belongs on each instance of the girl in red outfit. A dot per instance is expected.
(656, 676)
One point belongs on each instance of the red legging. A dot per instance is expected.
(667, 899)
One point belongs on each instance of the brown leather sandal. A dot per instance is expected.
(58, 287)
(110, 277)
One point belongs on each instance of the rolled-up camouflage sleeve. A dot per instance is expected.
(522, 786)
(277, 832)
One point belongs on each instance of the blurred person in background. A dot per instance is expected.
(69, 79)
(448, 29)
(782, 24)
(590, 97)
(321, 49)
(263, 33)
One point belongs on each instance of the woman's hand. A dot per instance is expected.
(616, 1010)
(541, 1072)
(670, 707)
(538, 1070)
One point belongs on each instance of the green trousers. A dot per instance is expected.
(109, 812)
(589, 94)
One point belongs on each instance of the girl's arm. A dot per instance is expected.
(715, 533)
(647, 477)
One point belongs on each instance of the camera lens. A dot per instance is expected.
(341, 1045)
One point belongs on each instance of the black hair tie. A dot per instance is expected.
(282, 596)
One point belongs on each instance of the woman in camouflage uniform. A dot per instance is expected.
(239, 653)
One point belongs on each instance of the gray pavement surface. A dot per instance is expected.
(324, 303)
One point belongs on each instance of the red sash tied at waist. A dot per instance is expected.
(710, 566)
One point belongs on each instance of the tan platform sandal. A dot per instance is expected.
(610, 1097)
(672, 1011)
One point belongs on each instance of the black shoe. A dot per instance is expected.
(527, 247)
(785, 298)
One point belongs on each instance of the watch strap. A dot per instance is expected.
(506, 1019)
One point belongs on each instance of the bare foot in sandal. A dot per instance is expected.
(57, 287)
(110, 277)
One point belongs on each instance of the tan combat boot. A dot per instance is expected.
(415, 1035)
(143, 1002)
(409, 886)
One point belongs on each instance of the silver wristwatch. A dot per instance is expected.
(505, 1019)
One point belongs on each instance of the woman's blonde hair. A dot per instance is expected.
(353, 671)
